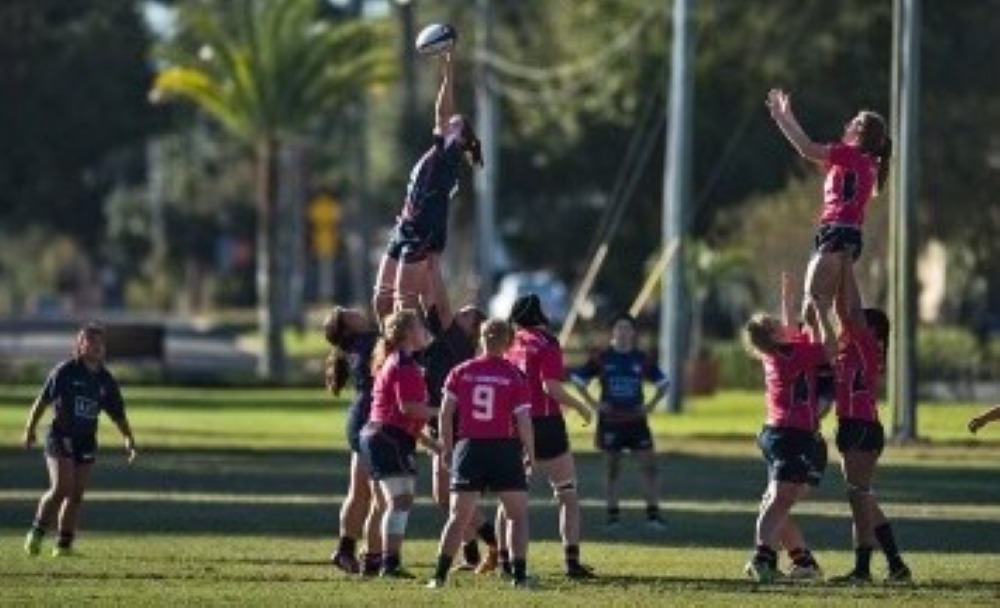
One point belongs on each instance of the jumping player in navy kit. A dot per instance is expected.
(622, 412)
(78, 390)
(352, 337)
(408, 276)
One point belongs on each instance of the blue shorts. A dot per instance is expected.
(618, 436)
(833, 238)
(793, 455)
(488, 465)
(357, 418)
(388, 451)
(410, 246)
(82, 449)
(860, 435)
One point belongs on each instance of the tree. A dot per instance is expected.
(267, 71)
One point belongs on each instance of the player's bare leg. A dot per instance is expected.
(61, 476)
(398, 492)
(462, 508)
(612, 471)
(649, 483)
(515, 506)
(353, 514)
(371, 562)
(412, 285)
(385, 288)
(804, 564)
(823, 278)
(777, 503)
(561, 472)
(70, 511)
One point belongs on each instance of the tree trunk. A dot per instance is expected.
(271, 363)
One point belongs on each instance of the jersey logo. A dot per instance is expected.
(86, 408)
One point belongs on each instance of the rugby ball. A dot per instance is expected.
(436, 38)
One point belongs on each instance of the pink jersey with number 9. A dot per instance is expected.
(488, 392)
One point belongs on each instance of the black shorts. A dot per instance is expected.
(551, 438)
(860, 435)
(357, 418)
(388, 451)
(408, 245)
(832, 238)
(793, 455)
(488, 465)
(618, 436)
(82, 449)
(825, 388)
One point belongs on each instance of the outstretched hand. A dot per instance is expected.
(778, 102)
(975, 424)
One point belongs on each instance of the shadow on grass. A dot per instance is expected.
(283, 492)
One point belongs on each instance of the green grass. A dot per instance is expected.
(234, 499)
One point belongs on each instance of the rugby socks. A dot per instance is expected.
(488, 533)
(802, 558)
(470, 551)
(39, 528)
(652, 513)
(65, 540)
(346, 546)
(443, 566)
(520, 569)
(572, 557)
(766, 555)
(614, 513)
(863, 560)
(391, 562)
(885, 537)
(505, 560)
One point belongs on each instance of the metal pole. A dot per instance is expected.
(485, 178)
(906, 71)
(676, 194)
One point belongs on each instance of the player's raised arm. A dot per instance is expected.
(780, 105)
(444, 107)
(34, 415)
(985, 418)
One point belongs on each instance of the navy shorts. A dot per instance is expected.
(860, 435)
(833, 238)
(357, 418)
(793, 455)
(551, 438)
(488, 465)
(388, 451)
(408, 245)
(618, 436)
(82, 449)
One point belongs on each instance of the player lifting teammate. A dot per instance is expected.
(623, 412)
(489, 397)
(856, 168)
(352, 338)
(78, 390)
(789, 440)
(409, 274)
(537, 353)
(389, 440)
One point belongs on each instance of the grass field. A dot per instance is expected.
(234, 498)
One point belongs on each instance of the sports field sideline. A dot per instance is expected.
(234, 497)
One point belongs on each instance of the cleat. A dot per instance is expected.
(809, 573)
(523, 583)
(346, 563)
(371, 564)
(852, 578)
(65, 552)
(489, 563)
(435, 583)
(656, 525)
(397, 572)
(33, 543)
(900, 575)
(580, 572)
(761, 572)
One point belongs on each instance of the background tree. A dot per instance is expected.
(267, 71)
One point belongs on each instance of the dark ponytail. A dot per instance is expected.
(337, 368)
(875, 142)
(473, 147)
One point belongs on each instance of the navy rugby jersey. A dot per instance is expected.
(78, 396)
(433, 181)
(359, 351)
(449, 347)
(621, 375)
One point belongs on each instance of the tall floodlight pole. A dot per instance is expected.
(485, 178)
(676, 197)
(905, 102)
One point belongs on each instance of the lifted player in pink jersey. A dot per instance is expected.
(537, 353)
(495, 444)
(856, 169)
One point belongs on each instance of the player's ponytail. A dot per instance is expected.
(473, 147)
(337, 369)
(758, 336)
(394, 331)
(875, 142)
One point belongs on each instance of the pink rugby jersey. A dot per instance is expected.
(488, 392)
(859, 367)
(790, 378)
(398, 381)
(537, 354)
(849, 186)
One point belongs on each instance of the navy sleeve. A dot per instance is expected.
(50, 390)
(588, 371)
(113, 403)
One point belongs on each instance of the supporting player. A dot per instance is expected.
(389, 440)
(978, 422)
(856, 169)
(420, 234)
(537, 353)
(485, 395)
(352, 337)
(789, 437)
(78, 390)
(623, 412)
(861, 439)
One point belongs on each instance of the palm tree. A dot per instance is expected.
(267, 71)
